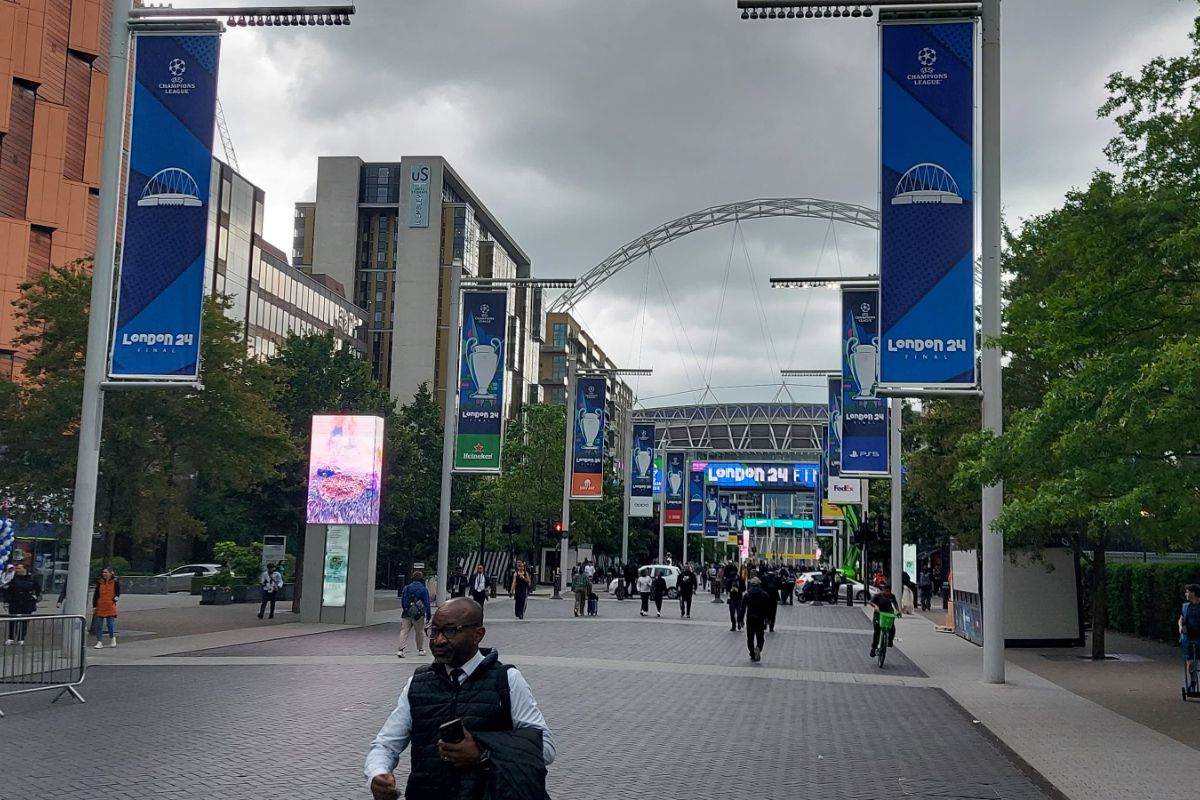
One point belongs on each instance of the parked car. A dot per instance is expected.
(804, 591)
(669, 572)
(180, 578)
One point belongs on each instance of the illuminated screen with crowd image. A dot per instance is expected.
(344, 466)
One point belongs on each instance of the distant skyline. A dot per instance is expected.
(583, 125)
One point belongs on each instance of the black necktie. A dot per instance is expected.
(456, 676)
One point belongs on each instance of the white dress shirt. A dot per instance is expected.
(396, 732)
(480, 582)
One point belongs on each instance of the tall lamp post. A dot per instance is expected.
(991, 376)
(124, 19)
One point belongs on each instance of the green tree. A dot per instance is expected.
(408, 527)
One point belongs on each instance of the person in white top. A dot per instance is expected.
(645, 585)
(479, 585)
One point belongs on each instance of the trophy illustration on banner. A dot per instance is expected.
(482, 359)
(712, 507)
(724, 514)
(590, 426)
(835, 425)
(864, 366)
(675, 481)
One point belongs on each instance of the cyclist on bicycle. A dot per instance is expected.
(884, 602)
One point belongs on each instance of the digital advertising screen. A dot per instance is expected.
(344, 466)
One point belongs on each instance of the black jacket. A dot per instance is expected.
(22, 594)
(687, 584)
(770, 584)
(757, 604)
(660, 587)
(518, 770)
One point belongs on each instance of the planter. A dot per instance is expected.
(216, 596)
(239, 593)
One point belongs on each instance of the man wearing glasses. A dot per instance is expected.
(504, 737)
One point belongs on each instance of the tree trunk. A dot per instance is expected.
(1099, 600)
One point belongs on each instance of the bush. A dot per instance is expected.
(240, 564)
(1144, 599)
(119, 566)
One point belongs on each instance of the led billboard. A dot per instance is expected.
(344, 466)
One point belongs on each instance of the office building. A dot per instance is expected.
(393, 231)
(53, 79)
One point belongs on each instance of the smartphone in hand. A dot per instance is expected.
(451, 732)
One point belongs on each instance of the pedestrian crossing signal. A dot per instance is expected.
(557, 527)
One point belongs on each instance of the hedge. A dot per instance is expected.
(1144, 599)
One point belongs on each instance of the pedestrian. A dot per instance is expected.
(1189, 632)
(415, 612)
(589, 569)
(660, 591)
(925, 583)
(734, 589)
(631, 576)
(770, 585)
(884, 602)
(645, 585)
(521, 586)
(786, 585)
(272, 582)
(21, 593)
(104, 606)
(757, 603)
(581, 584)
(687, 587)
(473, 723)
(479, 585)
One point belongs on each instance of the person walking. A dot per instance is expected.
(631, 578)
(21, 593)
(687, 587)
(734, 591)
(272, 582)
(645, 585)
(479, 585)
(581, 584)
(757, 602)
(104, 606)
(415, 612)
(884, 602)
(1189, 632)
(660, 591)
(787, 584)
(770, 585)
(925, 583)
(473, 724)
(520, 588)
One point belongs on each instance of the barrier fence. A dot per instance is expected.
(51, 656)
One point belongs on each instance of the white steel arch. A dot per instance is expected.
(762, 208)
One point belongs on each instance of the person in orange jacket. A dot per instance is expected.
(104, 606)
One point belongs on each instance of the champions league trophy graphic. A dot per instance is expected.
(644, 459)
(482, 359)
(724, 515)
(589, 426)
(675, 481)
(712, 507)
(864, 366)
(835, 425)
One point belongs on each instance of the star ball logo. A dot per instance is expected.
(927, 57)
(176, 68)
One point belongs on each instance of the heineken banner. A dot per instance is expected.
(712, 513)
(481, 382)
(641, 479)
(927, 231)
(723, 514)
(833, 463)
(673, 502)
(587, 462)
(160, 293)
(864, 435)
(695, 503)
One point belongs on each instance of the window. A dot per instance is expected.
(560, 334)
(558, 367)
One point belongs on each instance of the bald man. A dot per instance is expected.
(503, 728)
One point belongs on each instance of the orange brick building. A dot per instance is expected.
(53, 79)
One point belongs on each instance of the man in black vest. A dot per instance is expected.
(505, 738)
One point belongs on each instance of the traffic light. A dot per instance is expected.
(556, 528)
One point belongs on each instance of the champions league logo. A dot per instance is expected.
(176, 68)
(926, 58)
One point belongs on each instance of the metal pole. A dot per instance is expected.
(662, 515)
(863, 560)
(896, 406)
(565, 542)
(91, 416)
(992, 377)
(627, 476)
(450, 428)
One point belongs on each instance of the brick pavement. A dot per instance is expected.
(643, 708)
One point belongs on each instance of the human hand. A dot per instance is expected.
(383, 787)
(460, 754)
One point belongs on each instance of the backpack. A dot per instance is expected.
(416, 609)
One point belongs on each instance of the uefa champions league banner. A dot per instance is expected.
(864, 435)
(927, 222)
(712, 511)
(587, 461)
(160, 294)
(641, 479)
(480, 432)
(723, 514)
(695, 503)
(674, 475)
(833, 435)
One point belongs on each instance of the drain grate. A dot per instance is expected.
(926, 788)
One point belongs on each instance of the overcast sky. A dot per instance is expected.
(583, 124)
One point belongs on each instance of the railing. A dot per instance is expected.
(47, 652)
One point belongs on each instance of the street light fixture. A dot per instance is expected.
(255, 16)
(809, 373)
(991, 374)
(831, 282)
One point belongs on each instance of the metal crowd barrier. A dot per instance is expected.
(52, 656)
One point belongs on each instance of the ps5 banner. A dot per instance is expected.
(927, 231)
(864, 437)
(673, 502)
(480, 432)
(160, 293)
(833, 464)
(641, 480)
(712, 514)
(695, 507)
(587, 462)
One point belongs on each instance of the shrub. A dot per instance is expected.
(119, 566)
(1144, 599)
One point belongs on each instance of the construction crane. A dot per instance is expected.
(226, 141)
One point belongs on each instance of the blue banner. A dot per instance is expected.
(864, 436)
(833, 447)
(160, 293)
(754, 475)
(723, 509)
(641, 478)
(927, 223)
(712, 511)
(587, 462)
(695, 506)
(480, 433)
(675, 488)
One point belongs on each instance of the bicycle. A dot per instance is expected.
(886, 623)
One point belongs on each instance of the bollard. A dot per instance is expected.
(850, 593)
(557, 585)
